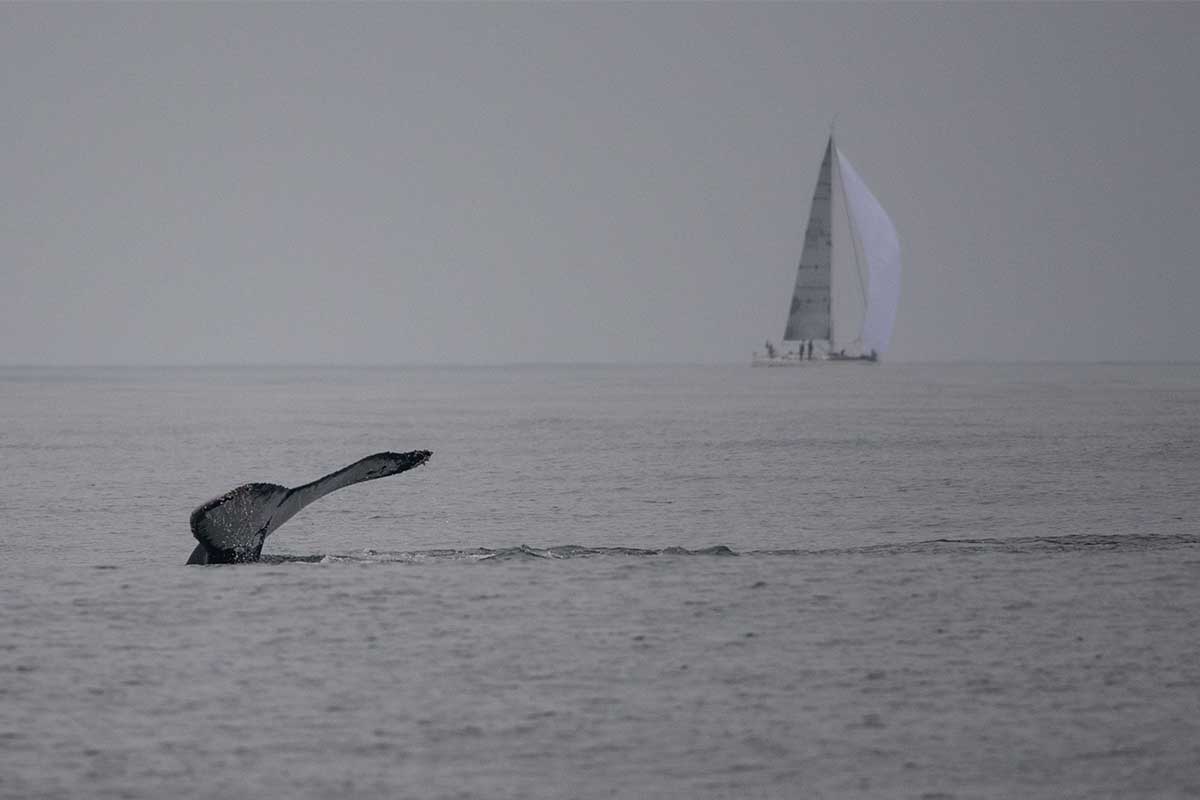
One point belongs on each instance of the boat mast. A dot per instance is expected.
(832, 251)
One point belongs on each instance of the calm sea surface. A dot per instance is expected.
(683, 582)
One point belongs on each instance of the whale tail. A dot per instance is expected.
(232, 528)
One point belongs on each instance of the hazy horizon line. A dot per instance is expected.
(525, 364)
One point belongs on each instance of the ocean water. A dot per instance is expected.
(925, 581)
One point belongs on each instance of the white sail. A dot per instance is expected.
(810, 313)
(880, 251)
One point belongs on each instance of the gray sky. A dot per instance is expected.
(460, 183)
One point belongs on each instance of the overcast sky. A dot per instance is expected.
(400, 183)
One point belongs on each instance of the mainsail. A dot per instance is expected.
(810, 316)
(880, 250)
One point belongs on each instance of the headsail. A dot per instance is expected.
(880, 250)
(810, 314)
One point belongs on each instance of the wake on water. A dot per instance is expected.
(1032, 545)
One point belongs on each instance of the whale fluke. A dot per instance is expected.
(232, 528)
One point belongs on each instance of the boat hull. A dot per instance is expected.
(793, 361)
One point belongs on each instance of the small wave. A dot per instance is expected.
(1023, 545)
(521, 552)
(1018, 545)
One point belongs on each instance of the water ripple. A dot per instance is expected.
(1031, 545)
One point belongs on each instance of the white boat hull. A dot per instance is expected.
(795, 361)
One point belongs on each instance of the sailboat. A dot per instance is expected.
(862, 299)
